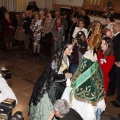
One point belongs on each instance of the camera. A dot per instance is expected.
(5, 73)
(79, 39)
(6, 107)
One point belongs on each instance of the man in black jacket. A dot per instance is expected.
(27, 30)
(85, 18)
(72, 27)
(63, 111)
(116, 43)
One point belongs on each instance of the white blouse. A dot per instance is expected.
(77, 29)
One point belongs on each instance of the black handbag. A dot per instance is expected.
(6, 74)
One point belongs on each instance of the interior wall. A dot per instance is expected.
(70, 2)
(40, 3)
(0, 3)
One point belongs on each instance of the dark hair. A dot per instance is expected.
(81, 20)
(111, 19)
(64, 46)
(74, 16)
(57, 19)
(108, 42)
(60, 51)
(78, 37)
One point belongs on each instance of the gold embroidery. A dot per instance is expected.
(63, 66)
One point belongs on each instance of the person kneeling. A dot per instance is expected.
(63, 111)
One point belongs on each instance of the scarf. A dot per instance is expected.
(57, 26)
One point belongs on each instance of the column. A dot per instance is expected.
(3, 4)
(45, 4)
(7, 4)
(21, 5)
(52, 4)
(12, 6)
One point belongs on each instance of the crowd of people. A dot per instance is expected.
(84, 66)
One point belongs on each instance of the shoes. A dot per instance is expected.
(110, 94)
(116, 103)
(34, 54)
(42, 55)
(37, 54)
(25, 50)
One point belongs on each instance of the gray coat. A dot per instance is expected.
(58, 34)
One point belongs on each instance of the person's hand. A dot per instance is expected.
(55, 39)
(68, 75)
(23, 30)
(78, 45)
(74, 41)
(51, 115)
(11, 27)
(35, 33)
(117, 64)
(43, 34)
(24, 21)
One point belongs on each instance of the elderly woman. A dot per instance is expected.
(47, 34)
(8, 29)
(63, 111)
(19, 33)
(36, 27)
(58, 32)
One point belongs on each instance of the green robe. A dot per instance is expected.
(87, 82)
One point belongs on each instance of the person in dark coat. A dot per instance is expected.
(8, 30)
(26, 28)
(63, 111)
(116, 43)
(80, 47)
(85, 18)
(2, 11)
(29, 6)
(72, 27)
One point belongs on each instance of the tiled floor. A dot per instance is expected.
(26, 68)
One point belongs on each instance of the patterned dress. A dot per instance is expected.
(36, 27)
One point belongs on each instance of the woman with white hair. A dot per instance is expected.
(63, 111)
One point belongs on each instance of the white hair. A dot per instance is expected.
(62, 106)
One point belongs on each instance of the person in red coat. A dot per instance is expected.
(106, 59)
